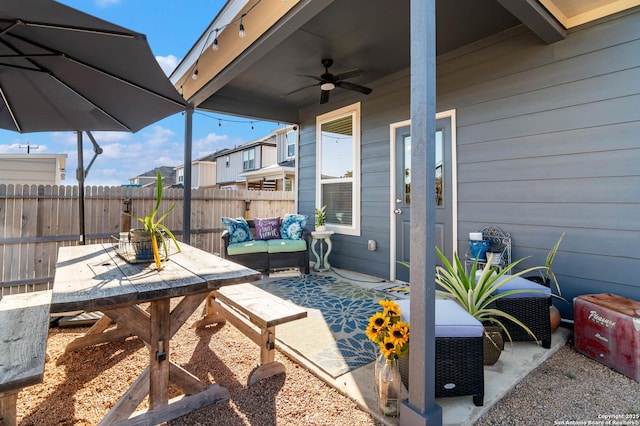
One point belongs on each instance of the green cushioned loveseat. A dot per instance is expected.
(268, 254)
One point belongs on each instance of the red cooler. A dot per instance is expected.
(607, 329)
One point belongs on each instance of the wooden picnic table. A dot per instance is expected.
(95, 278)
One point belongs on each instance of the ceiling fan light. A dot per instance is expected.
(328, 86)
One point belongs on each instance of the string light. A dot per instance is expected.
(215, 44)
(241, 32)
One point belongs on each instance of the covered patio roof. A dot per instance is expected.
(286, 41)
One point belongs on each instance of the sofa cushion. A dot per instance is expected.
(451, 319)
(519, 283)
(267, 229)
(247, 247)
(286, 246)
(238, 228)
(292, 226)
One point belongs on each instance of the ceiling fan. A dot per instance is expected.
(328, 81)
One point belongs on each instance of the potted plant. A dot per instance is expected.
(321, 218)
(478, 294)
(153, 230)
(546, 277)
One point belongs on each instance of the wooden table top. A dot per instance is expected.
(93, 277)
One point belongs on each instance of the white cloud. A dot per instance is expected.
(167, 63)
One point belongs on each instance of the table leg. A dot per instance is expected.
(159, 353)
(8, 410)
(155, 328)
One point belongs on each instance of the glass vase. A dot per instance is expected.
(388, 386)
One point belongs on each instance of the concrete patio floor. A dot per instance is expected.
(515, 363)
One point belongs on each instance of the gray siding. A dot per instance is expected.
(547, 142)
(389, 102)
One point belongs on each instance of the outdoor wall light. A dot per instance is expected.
(247, 205)
(127, 206)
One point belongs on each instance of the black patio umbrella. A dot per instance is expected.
(65, 70)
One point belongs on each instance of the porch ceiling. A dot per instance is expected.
(366, 34)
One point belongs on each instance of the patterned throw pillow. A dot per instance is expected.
(238, 228)
(292, 226)
(267, 229)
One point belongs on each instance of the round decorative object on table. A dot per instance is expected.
(388, 386)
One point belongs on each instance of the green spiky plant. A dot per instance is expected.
(478, 296)
(156, 228)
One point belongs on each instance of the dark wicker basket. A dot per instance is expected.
(459, 368)
(533, 312)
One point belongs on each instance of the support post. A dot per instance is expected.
(188, 141)
(420, 408)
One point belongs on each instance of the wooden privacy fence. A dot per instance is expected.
(35, 220)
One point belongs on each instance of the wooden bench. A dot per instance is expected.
(247, 307)
(24, 327)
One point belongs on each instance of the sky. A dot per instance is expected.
(171, 27)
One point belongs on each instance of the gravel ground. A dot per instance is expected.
(80, 387)
(569, 388)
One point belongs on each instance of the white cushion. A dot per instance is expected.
(451, 319)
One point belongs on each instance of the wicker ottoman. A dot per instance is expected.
(530, 308)
(459, 368)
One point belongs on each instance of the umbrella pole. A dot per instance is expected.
(80, 177)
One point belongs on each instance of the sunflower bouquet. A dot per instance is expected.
(388, 330)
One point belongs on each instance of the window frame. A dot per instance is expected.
(251, 160)
(352, 110)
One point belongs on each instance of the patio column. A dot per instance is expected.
(186, 206)
(420, 408)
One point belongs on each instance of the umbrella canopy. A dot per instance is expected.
(64, 70)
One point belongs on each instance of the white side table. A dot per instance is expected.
(322, 260)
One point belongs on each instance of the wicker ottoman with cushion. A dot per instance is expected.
(459, 367)
(530, 308)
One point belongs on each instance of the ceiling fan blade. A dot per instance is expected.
(355, 87)
(300, 88)
(324, 96)
(310, 76)
(349, 74)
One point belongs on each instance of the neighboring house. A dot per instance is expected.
(278, 176)
(33, 169)
(203, 172)
(149, 178)
(251, 156)
(537, 128)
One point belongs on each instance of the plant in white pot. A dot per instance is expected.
(321, 218)
(477, 294)
(154, 230)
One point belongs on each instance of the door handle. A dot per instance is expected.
(397, 211)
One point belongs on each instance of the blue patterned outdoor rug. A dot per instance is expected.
(333, 336)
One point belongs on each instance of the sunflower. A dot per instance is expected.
(379, 320)
(373, 332)
(388, 348)
(391, 308)
(388, 331)
(399, 332)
